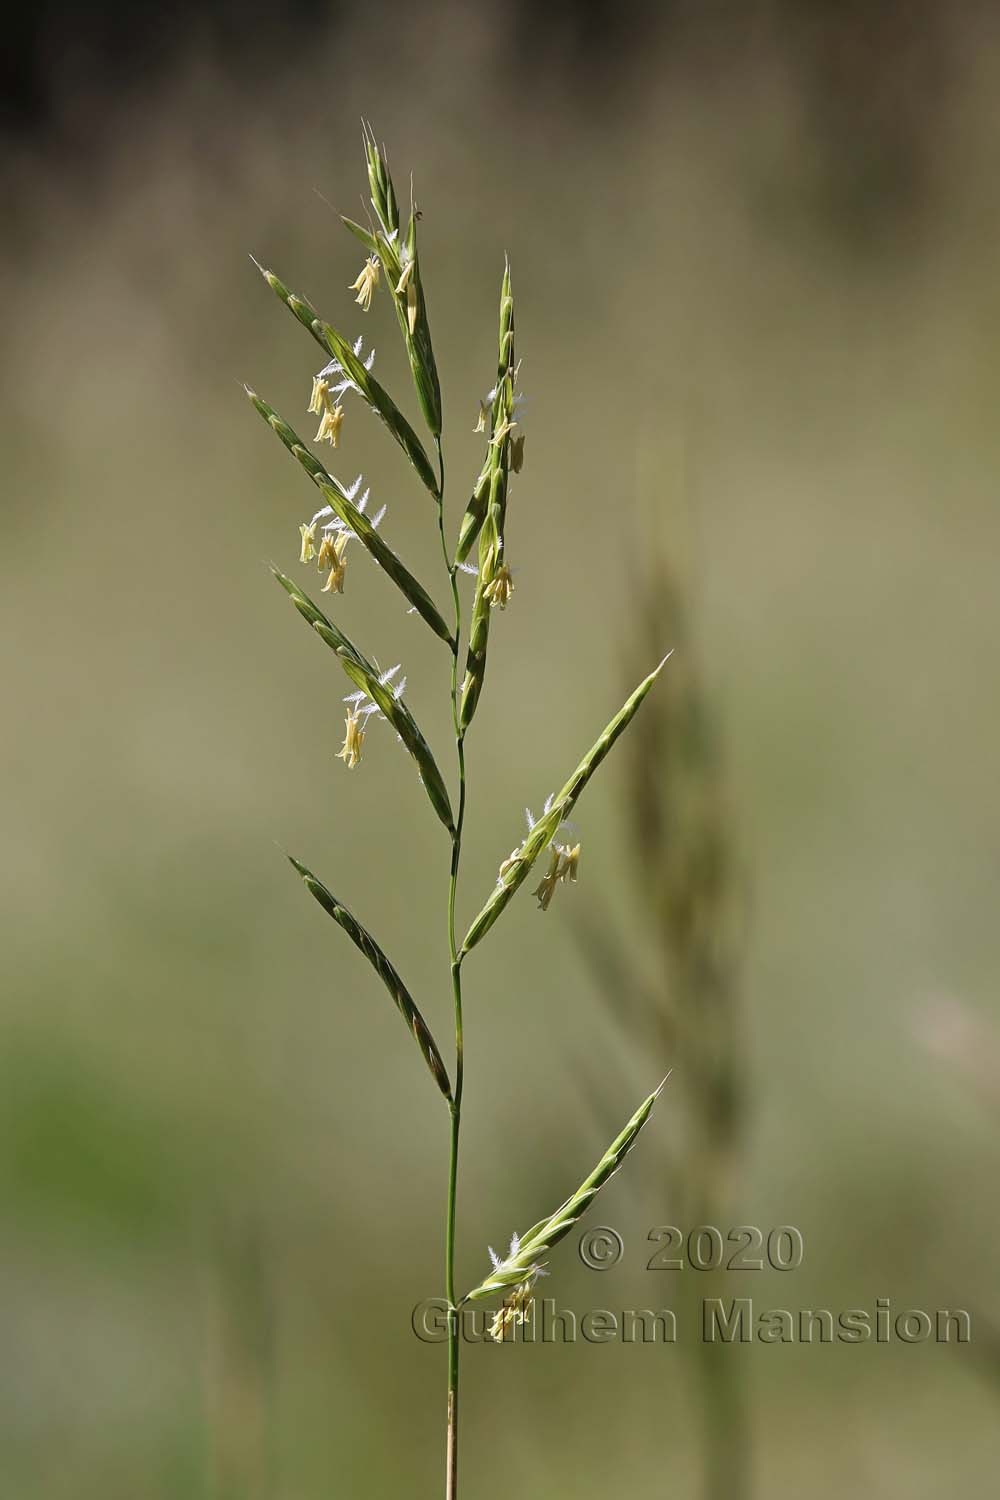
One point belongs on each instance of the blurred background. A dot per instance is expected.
(754, 251)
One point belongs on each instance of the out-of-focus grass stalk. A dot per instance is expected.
(969, 1048)
(683, 844)
(691, 894)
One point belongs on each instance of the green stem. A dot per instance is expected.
(451, 1485)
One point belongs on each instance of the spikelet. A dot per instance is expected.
(531, 1249)
(401, 263)
(341, 504)
(376, 396)
(491, 531)
(517, 866)
(365, 675)
(363, 940)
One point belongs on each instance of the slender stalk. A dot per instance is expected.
(451, 1486)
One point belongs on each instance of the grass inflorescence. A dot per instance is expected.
(392, 263)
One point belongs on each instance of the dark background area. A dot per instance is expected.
(871, 71)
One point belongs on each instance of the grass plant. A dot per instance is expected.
(345, 380)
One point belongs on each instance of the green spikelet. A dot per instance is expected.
(534, 1246)
(491, 533)
(560, 807)
(401, 265)
(366, 676)
(343, 506)
(377, 398)
(404, 1003)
